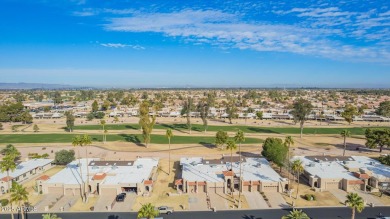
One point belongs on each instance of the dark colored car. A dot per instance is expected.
(120, 198)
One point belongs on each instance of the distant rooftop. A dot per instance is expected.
(26, 166)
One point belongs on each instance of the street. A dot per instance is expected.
(315, 213)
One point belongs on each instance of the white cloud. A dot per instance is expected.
(228, 30)
(120, 45)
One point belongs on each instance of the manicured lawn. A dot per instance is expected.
(65, 138)
(247, 129)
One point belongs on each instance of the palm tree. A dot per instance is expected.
(297, 167)
(169, 135)
(8, 165)
(147, 211)
(345, 133)
(231, 145)
(239, 137)
(288, 141)
(355, 202)
(50, 216)
(81, 141)
(296, 214)
(103, 123)
(19, 195)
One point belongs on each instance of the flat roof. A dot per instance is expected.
(253, 169)
(26, 166)
(138, 171)
(378, 170)
(328, 168)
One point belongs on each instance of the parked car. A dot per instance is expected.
(120, 198)
(124, 193)
(165, 210)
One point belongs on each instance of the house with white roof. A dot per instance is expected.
(104, 177)
(217, 175)
(24, 171)
(346, 173)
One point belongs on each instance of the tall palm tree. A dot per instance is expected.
(288, 141)
(8, 165)
(50, 216)
(147, 211)
(77, 141)
(86, 140)
(355, 202)
(19, 195)
(345, 133)
(231, 145)
(239, 137)
(169, 135)
(296, 214)
(103, 123)
(297, 168)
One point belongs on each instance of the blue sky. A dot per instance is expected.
(220, 43)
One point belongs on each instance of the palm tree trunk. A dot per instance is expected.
(86, 152)
(353, 213)
(9, 182)
(297, 187)
(169, 163)
(240, 187)
(345, 145)
(22, 211)
(81, 177)
(231, 165)
(288, 171)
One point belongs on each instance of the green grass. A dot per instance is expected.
(247, 129)
(135, 138)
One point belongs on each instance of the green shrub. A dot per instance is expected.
(4, 202)
(310, 197)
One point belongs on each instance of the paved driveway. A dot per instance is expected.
(276, 200)
(103, 202)
(126, 205)
(368, 198)
(65, 202)
(197, 202)
(218, 201)
(255, 200)
(339, 194)
(47, 200)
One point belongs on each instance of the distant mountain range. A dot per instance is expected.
(26, 86)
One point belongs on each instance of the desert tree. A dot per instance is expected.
(19, 195)
(188, 106)
(239, 138)
(147, 211)
(349, 112)
(296, 214)
(297, 168)
(301, 109)
(231, 145)
(221, 138)
(345, 134)
(355, 202)
(146, 122)
(377, 137)
(169, 135)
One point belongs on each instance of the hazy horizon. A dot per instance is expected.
(196, 44)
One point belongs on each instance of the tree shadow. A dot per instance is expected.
(132, 138)
(131, 127)
(249, 154)
(177, 127)
(262, 130)
(207, 144)
(250, 217)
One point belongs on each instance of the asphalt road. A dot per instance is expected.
(315, 213)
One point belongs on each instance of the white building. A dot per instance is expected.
(105, 177)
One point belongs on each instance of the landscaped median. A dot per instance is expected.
(134, 138)
(230, 128)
